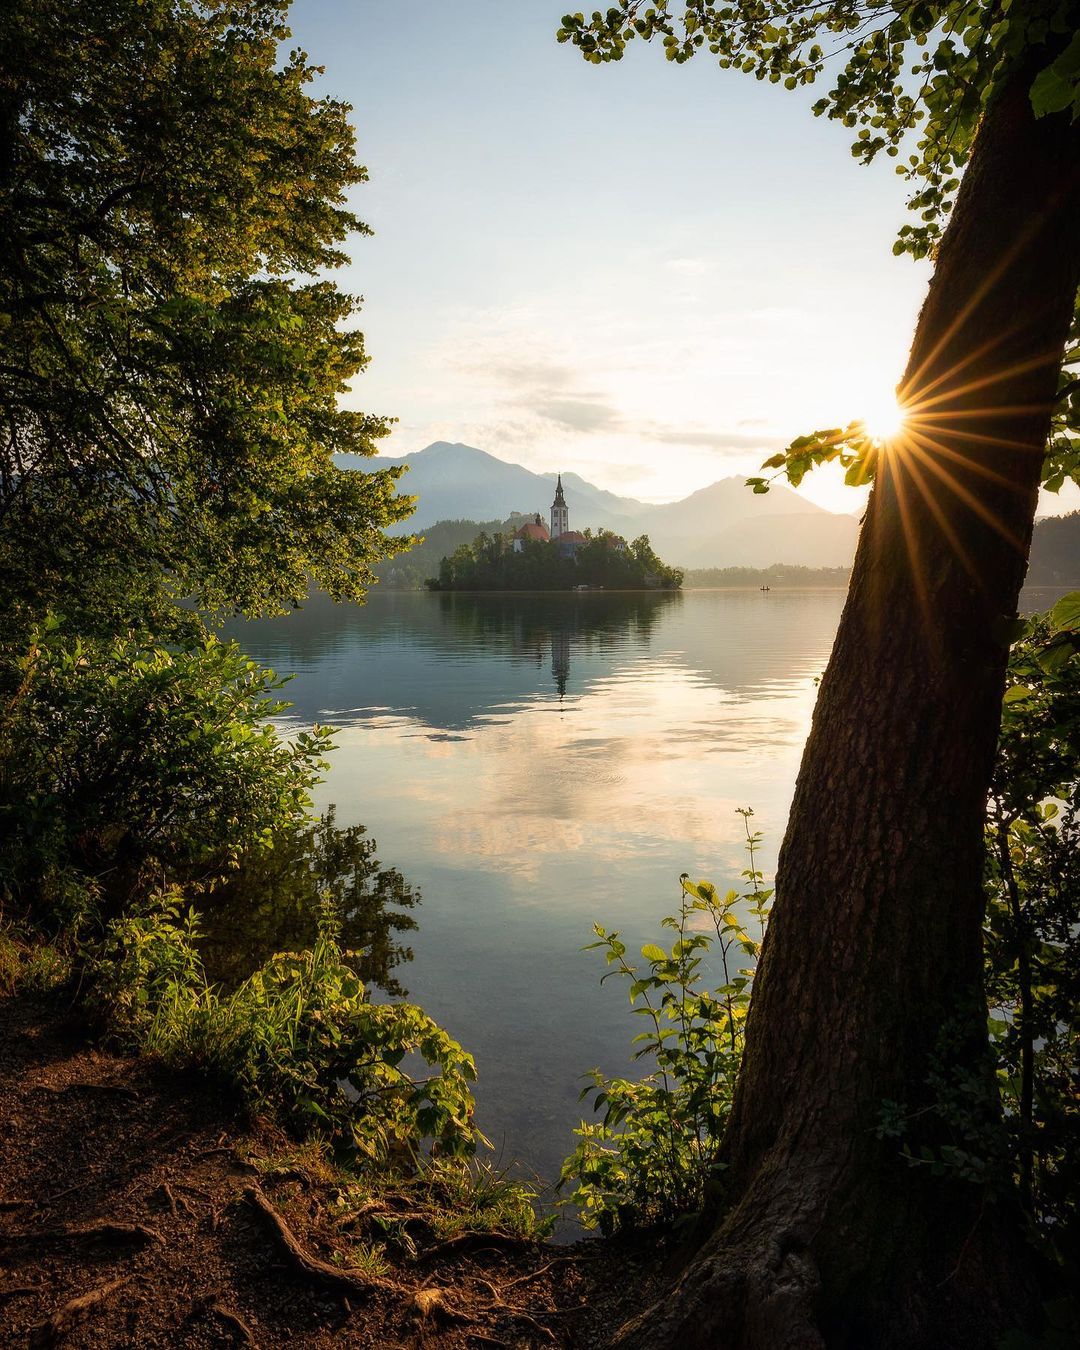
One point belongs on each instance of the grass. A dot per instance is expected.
(29, 964)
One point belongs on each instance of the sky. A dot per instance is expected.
(652, 275)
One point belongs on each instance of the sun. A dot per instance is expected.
(884, 418)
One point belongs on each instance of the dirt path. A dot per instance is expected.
(131, 1214)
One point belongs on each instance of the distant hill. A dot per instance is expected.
(781, 575)
(1055, 551)
(723, 525)
(409, 571)
(458, 482)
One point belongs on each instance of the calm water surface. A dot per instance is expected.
(535, 763)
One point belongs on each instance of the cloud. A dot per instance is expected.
(724, 442)
(585, 414)
(546, 390)
(528, 373)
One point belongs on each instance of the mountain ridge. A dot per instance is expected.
(722, 524)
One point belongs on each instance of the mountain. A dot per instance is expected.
(722, 525)
(726, 525)
(626, 507)
(459, 482)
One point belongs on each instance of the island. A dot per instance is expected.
(536, 557)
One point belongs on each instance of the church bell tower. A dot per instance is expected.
(560, 517)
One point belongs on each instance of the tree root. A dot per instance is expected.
(535, 1274)
(474, 1242)
(427, 1303)
(175, 1202)
(74, 1312)
(231, 1318)
(435, 1304)
(313, 1267)
(104, 1230)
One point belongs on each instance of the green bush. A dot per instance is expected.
(124, 759)
(650, 1157)
(1032, 938)
(300, 1039)
(30, 965)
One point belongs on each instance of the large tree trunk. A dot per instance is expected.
(870, 988)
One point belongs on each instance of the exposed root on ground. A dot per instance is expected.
(163, 1216)
(231, 1318)
(313, 1267)
(104, 1230)
(72, 1313)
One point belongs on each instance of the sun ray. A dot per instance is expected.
(959, 490)
(895, 469)
(944, 523)
(958, 457)
(979, 437)
(920, 403)
(975, 299)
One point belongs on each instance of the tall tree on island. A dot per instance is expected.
(869, 1019)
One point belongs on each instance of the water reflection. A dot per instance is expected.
(536, 763)
(278, 898)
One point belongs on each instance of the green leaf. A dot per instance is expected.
(1065, 615)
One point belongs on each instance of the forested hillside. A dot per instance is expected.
(1055, 551)
(408, 571)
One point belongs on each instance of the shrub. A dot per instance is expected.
(1033, 923)
(650, 1157)
(30, 965)
(126, 758)
(300, 1039)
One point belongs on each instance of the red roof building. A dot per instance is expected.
(535, 530)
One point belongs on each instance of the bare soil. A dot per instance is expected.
(134, 1212)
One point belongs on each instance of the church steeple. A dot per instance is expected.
(560, 516)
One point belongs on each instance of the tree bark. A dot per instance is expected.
(870, 986)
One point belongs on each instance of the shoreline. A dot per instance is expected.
(133, 1197)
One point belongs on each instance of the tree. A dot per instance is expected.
(171, 195)
(869, 1001)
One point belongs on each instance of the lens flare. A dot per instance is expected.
(884, 419)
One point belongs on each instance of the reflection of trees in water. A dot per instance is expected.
(555, 623)
(274, 902)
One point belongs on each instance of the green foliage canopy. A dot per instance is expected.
(123, 759)
(171, 194)
(490, 563)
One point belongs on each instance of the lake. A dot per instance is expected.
(537, 763)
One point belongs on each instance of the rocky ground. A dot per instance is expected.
(137, 1208)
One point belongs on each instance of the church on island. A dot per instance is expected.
(568, 540)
